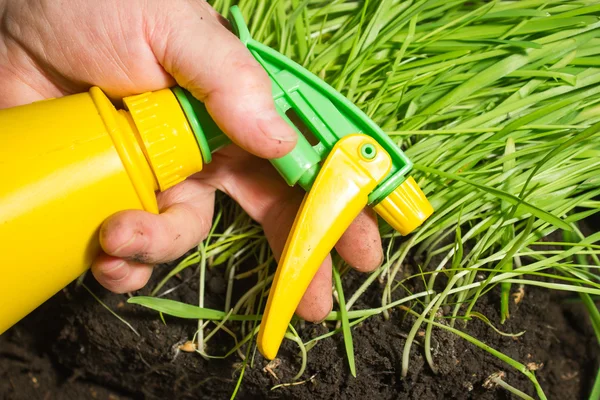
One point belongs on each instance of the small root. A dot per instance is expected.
(273, 364)
(311, 379)
(534, 366)
(492, 380)
(567, 376)
(519, 295)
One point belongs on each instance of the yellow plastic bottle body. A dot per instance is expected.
(65, 166)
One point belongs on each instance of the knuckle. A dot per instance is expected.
(248, 72)
(201, 226)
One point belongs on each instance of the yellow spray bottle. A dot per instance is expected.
(67, 164)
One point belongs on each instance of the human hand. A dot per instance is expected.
(51, 48)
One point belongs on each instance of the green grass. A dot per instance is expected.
(497, 104)
(345, 322)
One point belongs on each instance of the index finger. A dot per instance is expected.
(216, 67)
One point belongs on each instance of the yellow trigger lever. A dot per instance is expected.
(355, 166)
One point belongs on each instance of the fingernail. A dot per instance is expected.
(116, 273)
(136, 243)
(273, 126)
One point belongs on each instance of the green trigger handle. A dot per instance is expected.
(325, 112)
(329, 117)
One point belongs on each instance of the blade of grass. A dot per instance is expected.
(509, 233)
(117, 316)
(294, 337)
(345, 324)
(514, 200)
(182, 310)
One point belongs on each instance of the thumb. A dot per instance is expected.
(212, 63)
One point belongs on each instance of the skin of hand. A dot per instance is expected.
(52, 48)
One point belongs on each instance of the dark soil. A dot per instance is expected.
(72, 348)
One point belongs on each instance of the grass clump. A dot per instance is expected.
(497, 104)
